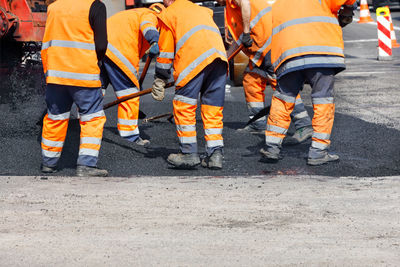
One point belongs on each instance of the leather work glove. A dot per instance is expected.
(154, 50)
(345, 15)
(246, 40)
(158, 91)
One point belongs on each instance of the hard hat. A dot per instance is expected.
(157, 7)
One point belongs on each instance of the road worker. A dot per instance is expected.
(191, 43)
(249, 23)
(307, 45)
(121, 64)
(74, 42)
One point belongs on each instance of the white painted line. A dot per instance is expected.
(361, 41)
(361, 73)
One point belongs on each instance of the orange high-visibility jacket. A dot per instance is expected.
(125, 48)
(305, 27)
(189, 39)
(68, 49)
(260, 28)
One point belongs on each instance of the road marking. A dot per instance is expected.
(361, 41)
(374, 23)
(362, 73)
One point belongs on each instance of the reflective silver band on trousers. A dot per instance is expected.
(72, 75)
(128, 133)
(184, 99)
(123, 59)
(273, 140)
(214, 143)
(47, 142)
(322, 136)
(88, 117)
(186, 128)
(59, 117)
(90, 140)
(88, 152)
(286, 98)
(319, 145)
(322, 100)
(213, 131)
(276, 129)
(197, 62)
(68, 44)
(51, 154)
(127, 122)
(187, 140)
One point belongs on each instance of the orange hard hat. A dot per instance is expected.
(157, 7)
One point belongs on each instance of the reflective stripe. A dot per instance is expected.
(185, 99)
(47, 142)
(72, 75)
(68, 44)
(88, 117)
(323, 136)
(319, 145)
(305, 49)
(144, 22)
(273, 140)
(90, 140)
(301, 115)
(125, 92)
(336, 60)
(197, 62)
(88, 152)
(322, 100)
(260, 14)
(127, 122)
(256, 104)
(286, 98)
(276, 129)
(260, 51)
(213, 131)
(169, 55)
(187, 140)
(186, 128)
(214, 143)
(164, 66)
(306, 20)
(260, 72)
(192, 31)
(151, 28)
(51, 154)
(128, 133)
(298, 101)
(59, 117)
(123, 59)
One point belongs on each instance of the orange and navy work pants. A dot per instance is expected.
(128, 111)
(210, 85)
(283, 102)
(59, 100)
(255, 81)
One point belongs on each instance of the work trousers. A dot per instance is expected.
(128, 111)
(283, 102)
(210, 85)
(59, 100)
(255, 81)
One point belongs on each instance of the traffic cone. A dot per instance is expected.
(395, 44)
(365, 16)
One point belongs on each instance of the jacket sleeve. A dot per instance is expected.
(167, 53)
(148, 27)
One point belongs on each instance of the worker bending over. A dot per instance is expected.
(250, 24)
(191, 44)
(121, 64)
(75, 40)
(307, 45)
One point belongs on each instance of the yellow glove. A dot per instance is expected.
(158, 91)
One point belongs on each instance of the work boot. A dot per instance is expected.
(323, 160)
(142, 142)
(184, 161)
(86, 171)
(48, 169)
(213, 162)
(250, 129)
(269, 156)
(299, 136)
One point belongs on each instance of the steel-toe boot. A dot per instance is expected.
(142, 142)
(322, 160)
(270, 155)
(86, 171)
(251, 129)
(299, 136)
(48, 169)
(184, 161)
(213, 162)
